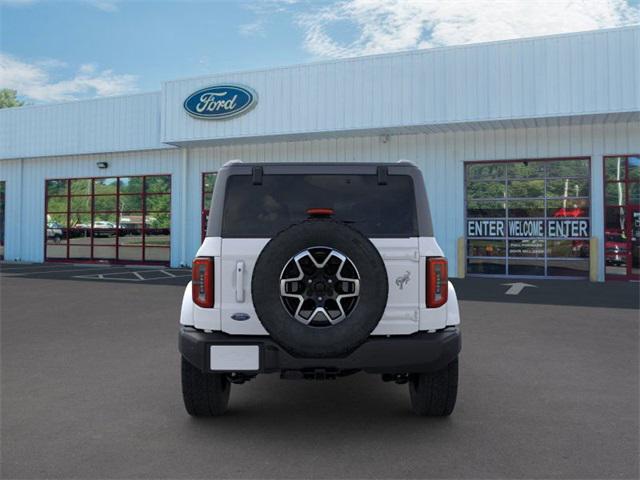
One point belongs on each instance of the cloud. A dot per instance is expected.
(104, 5)
(34, 80)
(252, 29)
(390, 25)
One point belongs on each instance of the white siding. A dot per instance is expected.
(593, 73)
(112, 124)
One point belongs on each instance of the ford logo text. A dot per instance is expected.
(220, 102)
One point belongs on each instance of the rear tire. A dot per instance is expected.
(204, 394)
(433, 394)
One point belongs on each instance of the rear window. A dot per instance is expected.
(282, 200)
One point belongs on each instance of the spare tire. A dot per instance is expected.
(319, 288)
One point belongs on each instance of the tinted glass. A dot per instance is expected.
(106, 186)
(568, 248)
(80, 204)
(209, 182)
(282, 200)
(634, 168)
(158, 203)
(568, 188)
(568, 168)
(525, 188)
(131, 185)
(526, 169)
(634, 193)
(130, 203)
(485, 189)
(57, 187)
(81, 186)
(480, 209)
(486, 266)
(526, 208)
(105, 203)
(566, 268)
(572, 208)
(615, 193)
(485, 171)
(614, 168)
(158, 184)
(547, 203)
(526, 248)
(486, 248)
(57, 204)
(526, 267)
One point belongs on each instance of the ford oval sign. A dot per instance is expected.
(220, 102)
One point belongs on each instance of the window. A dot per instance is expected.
(2, 187)
(262, 211)
(208, 182)
(622, 217)
(528, 218)
(113, 219)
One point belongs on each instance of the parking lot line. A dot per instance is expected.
(138, 276)
(59, 270)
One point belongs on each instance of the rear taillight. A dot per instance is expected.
(437, 283)
(202, 282)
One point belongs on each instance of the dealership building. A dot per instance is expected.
(530, 150)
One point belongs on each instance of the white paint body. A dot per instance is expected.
(405, 312)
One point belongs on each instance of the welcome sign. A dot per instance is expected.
(528, 228)
(220, 102)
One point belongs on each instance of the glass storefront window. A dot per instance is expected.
(526, 248)
(208, 182)
(486, 171)
(526, 208)
(486, 190)
(530, 214)
(81, 186)
(622, 217)
(615, 193)
(568, 187)
(2, 188)
(525, 188)
(486, 209)
(525, 169)
(568, 168)
(106, 219)
(569, 208)
(486, 248)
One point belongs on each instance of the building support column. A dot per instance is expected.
(184, 221)
(597, 214)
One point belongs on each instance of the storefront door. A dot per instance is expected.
(622, 217)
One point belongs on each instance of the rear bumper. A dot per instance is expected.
(420, 352)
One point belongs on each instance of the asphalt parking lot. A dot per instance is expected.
(90, 389)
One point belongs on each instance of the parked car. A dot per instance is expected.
(102, 228)
(54, 232)
(316, 271)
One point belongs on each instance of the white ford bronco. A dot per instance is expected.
(316, 271)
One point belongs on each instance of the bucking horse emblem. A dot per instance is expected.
(402, 280)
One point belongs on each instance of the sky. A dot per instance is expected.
(54, 50)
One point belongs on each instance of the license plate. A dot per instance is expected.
(233, 358)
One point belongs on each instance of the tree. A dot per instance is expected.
(8, 98)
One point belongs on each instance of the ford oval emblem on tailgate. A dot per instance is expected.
(220, 101)
(241, 317)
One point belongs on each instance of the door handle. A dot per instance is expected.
(240, 281)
